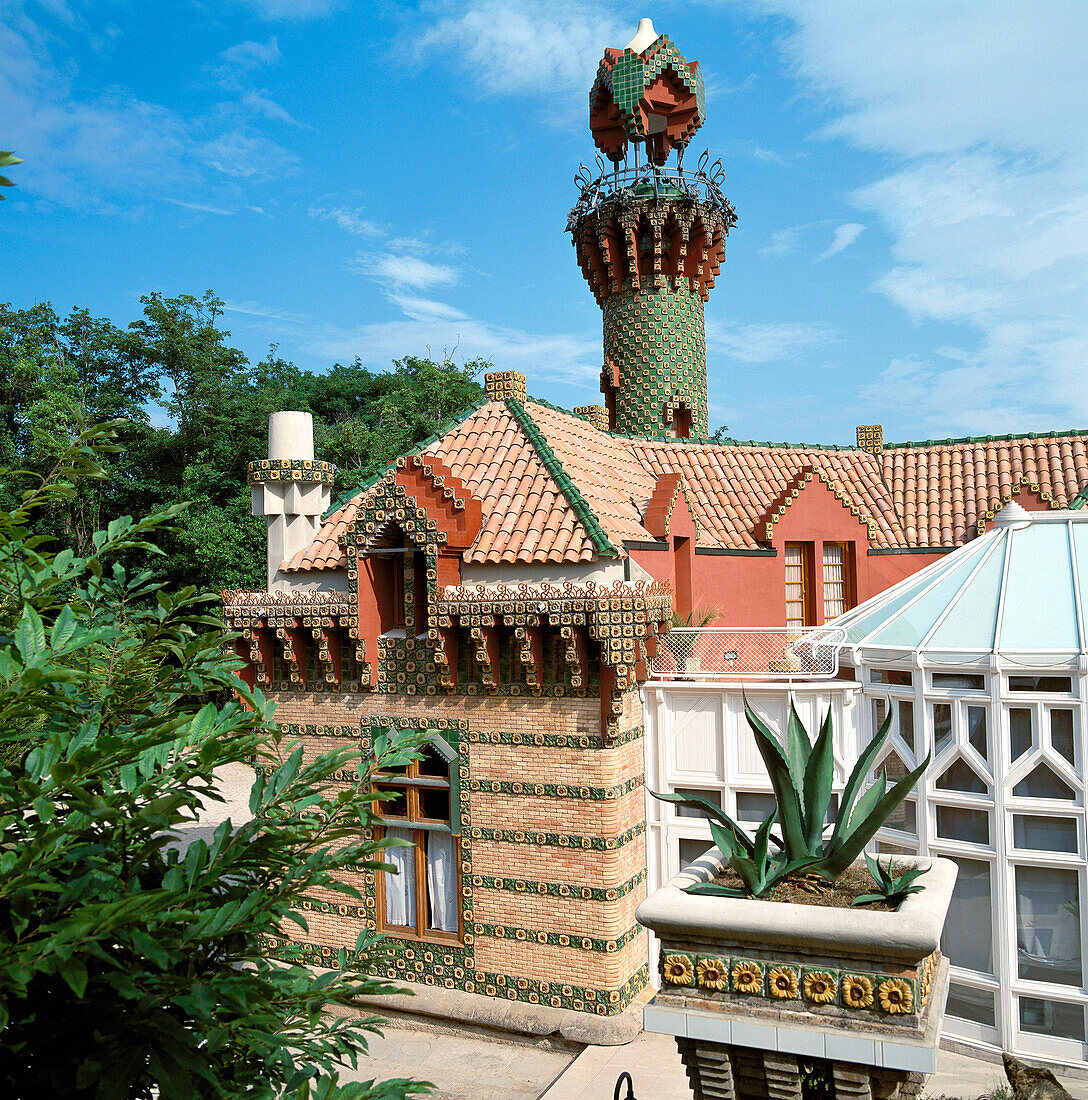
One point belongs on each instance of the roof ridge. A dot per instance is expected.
(597, 534)
(443, 429)
(1072, 432)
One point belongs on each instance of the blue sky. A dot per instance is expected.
(377, 179)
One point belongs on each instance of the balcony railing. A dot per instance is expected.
(721, 653)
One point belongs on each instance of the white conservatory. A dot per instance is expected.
(982, 659)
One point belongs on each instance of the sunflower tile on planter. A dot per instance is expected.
(820, 986)
(712, 973)
(746, 976)
(678, 969)
(783, 982)
(857, 990)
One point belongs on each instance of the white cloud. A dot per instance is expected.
(112, 152)
(565, 357)
(978, 107)
(425, 309)
(350, 219)
(783, 241)
(409, 271)
(534, 48)
(844, 237)
(200, 207)
(260, 104)
(766, 343)
(252, 55)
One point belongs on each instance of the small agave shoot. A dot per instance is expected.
(802, 776)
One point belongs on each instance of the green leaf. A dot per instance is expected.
(787, 796)
(715, 890)
(819, 779)
(712, 812)
(798, 747)
(74, 973)
(861, 835)
(857, 778)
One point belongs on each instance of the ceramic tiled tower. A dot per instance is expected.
(650, 240)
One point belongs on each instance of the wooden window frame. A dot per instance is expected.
(847, 579)
(412, 782)
(808, 596)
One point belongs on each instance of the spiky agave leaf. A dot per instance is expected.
(818, 782)
(786, 794)
(713, 813)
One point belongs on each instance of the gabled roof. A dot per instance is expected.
(555, 489)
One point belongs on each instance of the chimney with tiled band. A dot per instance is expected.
(291, 489)
(597, 415)
(871, 438)
(650, 238)
(499, 385)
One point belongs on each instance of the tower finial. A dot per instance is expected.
(647, 93)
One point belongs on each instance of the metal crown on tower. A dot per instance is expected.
(650, 239)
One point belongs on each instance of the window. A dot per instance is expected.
(836, 580)
(1056, 684)
(713, 797)
(798, 558)
(959, 681)
(893, 676)
(421, 899)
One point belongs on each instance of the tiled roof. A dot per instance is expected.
(555, 489)
(944, 489)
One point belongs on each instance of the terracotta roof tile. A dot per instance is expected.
(914, 495)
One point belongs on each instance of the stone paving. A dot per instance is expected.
(465, 1065)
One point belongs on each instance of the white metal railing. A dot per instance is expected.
(750, 653)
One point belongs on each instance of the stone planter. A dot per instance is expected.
(758, 993)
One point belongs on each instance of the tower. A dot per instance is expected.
(650, 238)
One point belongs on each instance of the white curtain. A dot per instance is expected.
(400, 888)
(442, 881)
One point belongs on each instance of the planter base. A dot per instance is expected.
(716, 1071)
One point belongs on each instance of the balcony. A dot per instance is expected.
(747, 653)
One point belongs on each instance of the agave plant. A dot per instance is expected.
(890, 887)
(802, 776)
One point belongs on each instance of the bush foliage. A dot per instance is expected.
(130, 953)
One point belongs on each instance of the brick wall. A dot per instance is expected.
(552, 844)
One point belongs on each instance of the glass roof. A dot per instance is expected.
(1022, 588)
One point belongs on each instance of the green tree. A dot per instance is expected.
(7, 159)
(130, 960)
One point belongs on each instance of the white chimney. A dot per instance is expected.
(290, 489)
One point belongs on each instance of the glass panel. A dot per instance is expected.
(397, 806)
(972, 826)
(1061, 732)
(796, 596)
(972, 621)
(1039, 612)
(968, 937)
(960, 776)
(754, 807)
(1048, 925)
(893, 768)
(913, 623)
(976, 1005)
(895, 676)
(400, 887)
(1043, 783)
(883, 848)
(1019, 731)
(433, 764)
(942, 726)
(880, 713)
(1062, 684)
(959, 681)
(434, 803)
(1044, 834)
(441, 882)
(904, 817)
(1051, 1018)
(713, 797)
(872, 620)
(691, 850)
(906, 723)
(976, 731)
